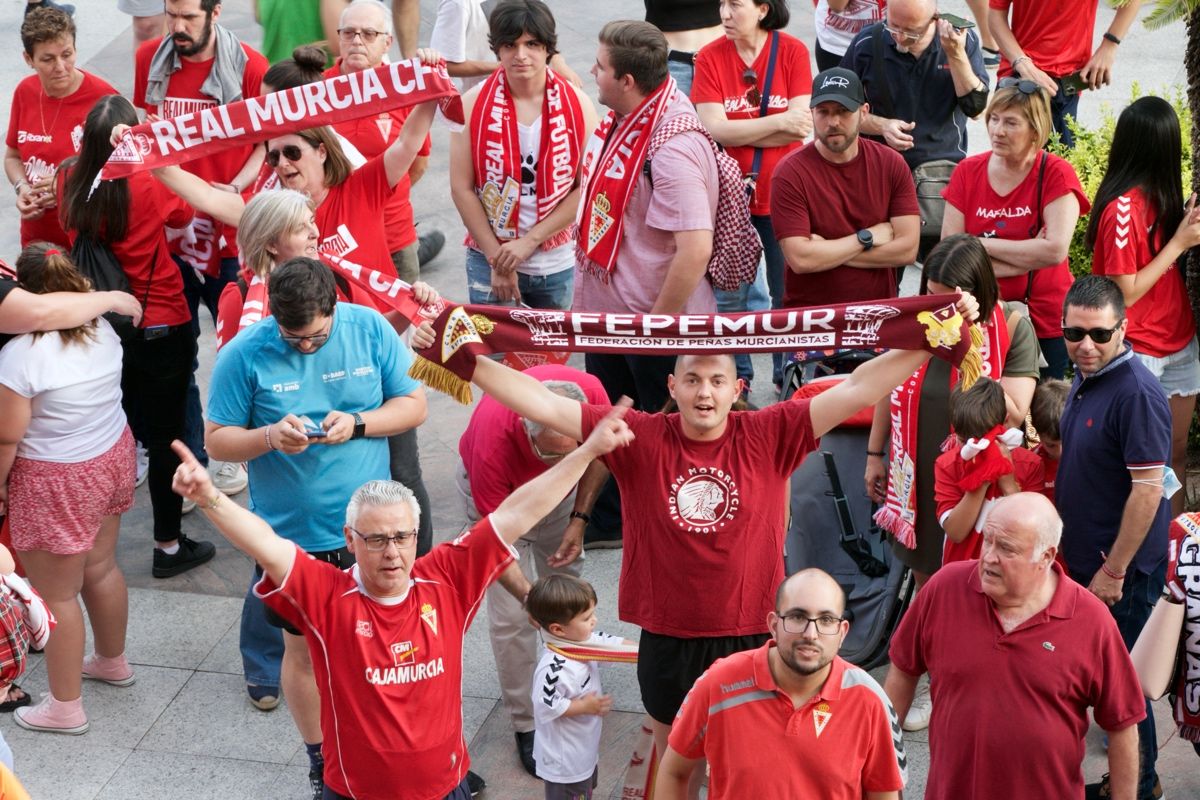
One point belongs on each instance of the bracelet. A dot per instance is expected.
(267, 435)
(211, 504)
(1108, 37)
(580, 515)
(1116, 576)
(877, 453)
(1019, 60)
(17, 186)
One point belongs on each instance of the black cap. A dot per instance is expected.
(839, 85)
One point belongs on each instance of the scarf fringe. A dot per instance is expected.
(972, 363)
(437, 377)
(1189, 733)
(897, 526)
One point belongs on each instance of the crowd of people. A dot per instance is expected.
(1033, 512)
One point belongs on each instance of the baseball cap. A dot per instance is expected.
(839, 85)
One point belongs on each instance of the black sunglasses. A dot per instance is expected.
(1097, 335)
(1023, 86)
(291, 152)
(753, 95)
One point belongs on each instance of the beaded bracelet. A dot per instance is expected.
(267, 436)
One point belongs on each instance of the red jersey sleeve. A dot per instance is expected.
(881, 770)
(469, 563)
(962, 184)
(691, 723)
(175, 212)
(946, 492)
(789, 427)
(229, 313)
(1002, 5)
(369, 183)
(706, 84)
(1117, 700)
(1060, 179)
(256, 68)
(303, 597)
(789, 199)
(141, 72)
(1121, 236)
(1031, 474)
(591, 414)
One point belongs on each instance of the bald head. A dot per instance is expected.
(813, 590)
(1028, 512)
(912, 9)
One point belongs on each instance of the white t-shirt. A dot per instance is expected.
(76, 392)
(566, 749)
(542, 262)
(460, 33)
(835, 29)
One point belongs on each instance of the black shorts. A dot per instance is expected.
(668, 666)
(341, 558)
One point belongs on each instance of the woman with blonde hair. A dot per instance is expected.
(66, 476)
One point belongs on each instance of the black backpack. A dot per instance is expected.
(97, 262)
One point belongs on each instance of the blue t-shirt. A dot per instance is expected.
(1114, 421)
(258, 379)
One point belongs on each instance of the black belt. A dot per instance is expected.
(160, 331)
(682, 57)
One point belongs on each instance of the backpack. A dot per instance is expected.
(736, 246)
(96, 262)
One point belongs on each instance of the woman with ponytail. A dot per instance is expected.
(66, 476)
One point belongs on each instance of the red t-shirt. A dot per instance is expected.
(811, 195)
(1056, 34)
(351, 219)
(949, 469)
(389, 673)
(1014, 217)
(718, 79)
(495, 448)
(372, 135)
(1049, 472)
(152, 207)
(45, 131)
(184, 97)
(1033, 685)
(837, 746)
(704, 521)
(1160, 323)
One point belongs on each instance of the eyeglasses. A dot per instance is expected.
(753, 95)
(315, 339)
(827, 624)
(1097, 335)
(368, 35)
(907, 36)
(291, 152)
(544, 456)
(378, 542)
(1023, 86)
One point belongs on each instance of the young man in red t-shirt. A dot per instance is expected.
(844, 208)
(386, 635)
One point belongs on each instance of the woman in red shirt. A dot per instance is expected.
(1023, 203)
(1139, 227)
(46, 122)
(128, 216)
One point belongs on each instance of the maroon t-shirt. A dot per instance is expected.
(810, 195)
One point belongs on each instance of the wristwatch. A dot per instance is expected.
(360, 427)
(866, 239)
(580, 515)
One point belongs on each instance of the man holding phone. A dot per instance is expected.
(313, 359)
(1049, 42)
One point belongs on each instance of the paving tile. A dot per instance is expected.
(59, 767)
(147, 775)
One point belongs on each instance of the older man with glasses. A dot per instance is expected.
(308, 397)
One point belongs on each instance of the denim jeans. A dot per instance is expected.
(261, 642)
(683, 74)
(1054, 350)
(537, 291)
(210, 292)
(1064, 105)
(776, 277)
(752, 296)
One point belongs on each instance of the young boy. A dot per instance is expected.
(567, 698)
(989, 462)
(1047, 406)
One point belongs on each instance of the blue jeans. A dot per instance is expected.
(1054, 350)
(261, 642)
(210, 292)
(747, 297)
(1063, 105)
(537, 291)
(776, 276)
(683, 74)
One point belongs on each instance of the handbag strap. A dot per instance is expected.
(149, 280)
(1037, 225)
(756, 164)
(877, 78)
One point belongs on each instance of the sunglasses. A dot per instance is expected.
(1097, 335)
(291, 152)
(753, 95)
(1023, 86)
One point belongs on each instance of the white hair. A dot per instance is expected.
(375, 4)
(1047, 531)
(568, 389)
(381, 493)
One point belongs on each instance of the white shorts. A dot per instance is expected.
(1177, 373)
(141, 8)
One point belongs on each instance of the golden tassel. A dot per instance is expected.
(435, 376)
(971, 367)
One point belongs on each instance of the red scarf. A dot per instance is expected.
(496, 154)
(612, 163)
(899, 512)
(1182, 575)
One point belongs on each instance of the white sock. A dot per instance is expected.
(172, 550)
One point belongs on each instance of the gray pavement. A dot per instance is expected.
(184, 730)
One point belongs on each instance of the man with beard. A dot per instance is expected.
(822, 724)
(844, 208)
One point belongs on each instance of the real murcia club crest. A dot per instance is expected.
(600, 221)
(943, 328)
(500, 203)
(429, 617)
(821, 717)
(460, 330)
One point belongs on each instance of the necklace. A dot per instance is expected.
(42, 113)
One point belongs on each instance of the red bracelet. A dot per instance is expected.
(1116, 576)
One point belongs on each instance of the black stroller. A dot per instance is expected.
(831, 518)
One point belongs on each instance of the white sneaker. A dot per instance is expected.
(229, 477)
(921, 709)
(143, 464)
(188, 506)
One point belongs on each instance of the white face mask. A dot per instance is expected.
(1171, 483)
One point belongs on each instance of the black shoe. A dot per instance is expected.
(525, 751)
(66, 8)
(316, 781)
(429, 245)
(475, 784)
(604, 543)
(191, 554)
(1102, 790)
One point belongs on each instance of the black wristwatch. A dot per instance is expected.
(580, 515)
(360, 427)
(866, 239)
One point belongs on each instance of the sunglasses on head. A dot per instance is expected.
(1097, 335)
(291, 152)
(753, 95)
(1023, 86)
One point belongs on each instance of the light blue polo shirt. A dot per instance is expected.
(258, 379)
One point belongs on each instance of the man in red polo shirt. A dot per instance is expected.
(821, 726)
(1017, 652)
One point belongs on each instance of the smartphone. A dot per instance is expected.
(957, 22)
(1073, 84)
(311, 429)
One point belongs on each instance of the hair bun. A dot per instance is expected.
(310, 57)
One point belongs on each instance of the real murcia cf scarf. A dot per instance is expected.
(496, 154)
